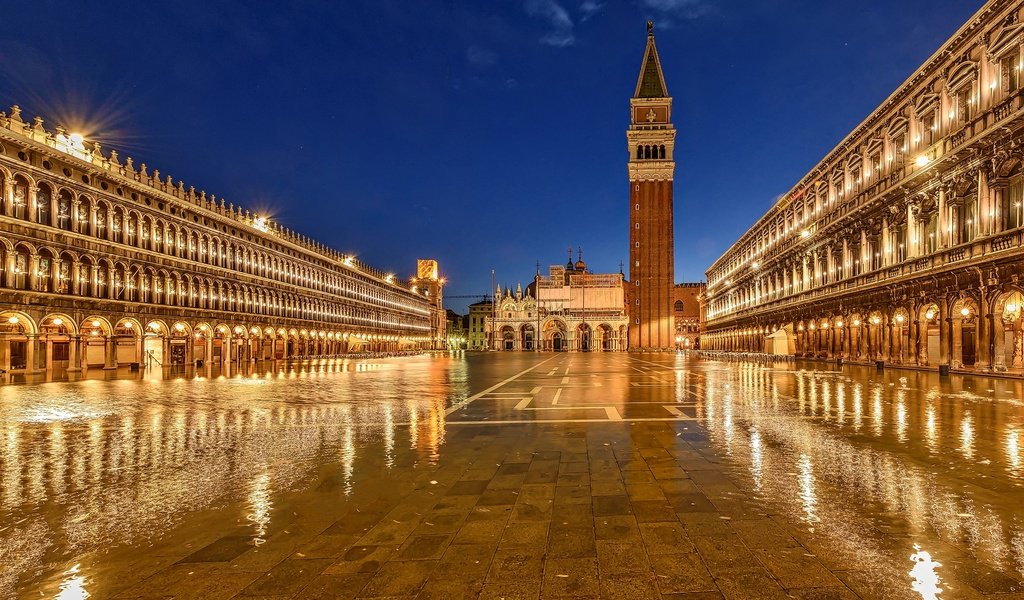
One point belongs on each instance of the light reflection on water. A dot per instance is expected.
(97, 464)
(937, 462)
(73, 586)
(926, 578)
(260, 504)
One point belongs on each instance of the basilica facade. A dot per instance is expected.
(106, 263)
(904, 244)
(570, 309)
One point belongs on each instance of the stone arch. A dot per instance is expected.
(65, 321)
(94, 323)
(1007, 324)
(19, 318)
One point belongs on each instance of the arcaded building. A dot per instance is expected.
(108, 263)
(569, 309)
(686, 314)
(903, 244)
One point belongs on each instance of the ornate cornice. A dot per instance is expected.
(652, 171)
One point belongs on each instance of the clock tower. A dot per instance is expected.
(651, 139)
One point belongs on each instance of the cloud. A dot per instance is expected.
(480, 57)
(683, 9)
(561, 26)
(588, 8)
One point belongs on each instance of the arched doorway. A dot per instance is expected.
(153, 344)
(964, 331)
(554, 336)
(126, 342)
(508, 339)
(527, 337)
(55, 331)
(95, 331)
(605, 340)
(17, 342)
(1008, 342)
(585, 335)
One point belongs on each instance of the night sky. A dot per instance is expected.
(488, 134)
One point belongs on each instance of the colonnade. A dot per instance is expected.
(978, 330)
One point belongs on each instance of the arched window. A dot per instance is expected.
(679, 306)
(647, 151)
(639, 151)
(661, 152)
(64, 211)
(20, 198)
(101, 222)
(43, 197)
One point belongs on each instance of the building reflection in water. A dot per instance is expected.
(1013, 458)
(867, 496)
(97, 464)
(807, 496)
(260, 504)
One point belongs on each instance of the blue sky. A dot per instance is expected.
(489, 134)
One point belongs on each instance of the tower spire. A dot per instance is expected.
(651, 82)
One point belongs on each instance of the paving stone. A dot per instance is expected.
(621, 557)
(571, 578)
(424, 547)
(341, 586)
(682, 573)
(619, 528)
(794, 568)
(191, 581)
(361, 559)
(532, 535)
(573, 542)
(665, 538)
(611, 505)
(629, 586)
(516, 564)
(287, 578)
(224, 549)
(511, 590)
(398, 579)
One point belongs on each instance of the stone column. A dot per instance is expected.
(110, 353)
(30, 354)
(75, 203)
(945, 331)
(922, 341)
(913, 346)
(55, 275)
(999, 344)
(74, 364)
(983, 332)
(30, 206)
(33, 272)
(957, 358)
(10, 279)
(9, 197)
(886, 346)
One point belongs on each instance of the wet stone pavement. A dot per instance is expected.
(515, 476)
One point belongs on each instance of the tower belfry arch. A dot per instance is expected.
(651, 141)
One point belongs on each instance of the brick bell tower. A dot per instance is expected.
(651, 139)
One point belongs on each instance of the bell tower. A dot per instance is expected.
(651, 139)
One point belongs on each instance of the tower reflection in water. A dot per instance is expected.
(97, 464)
